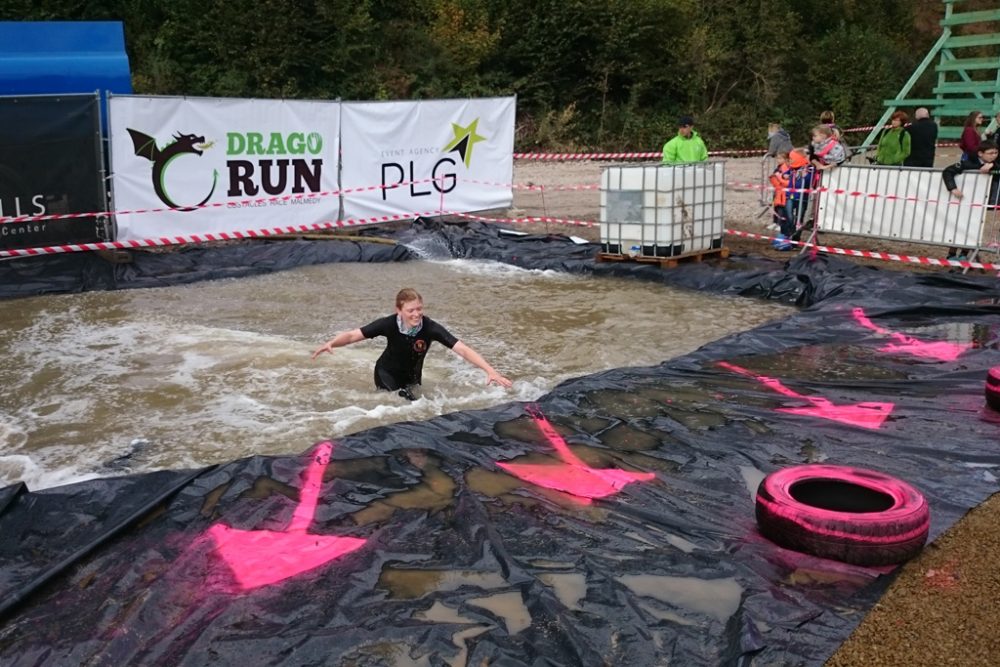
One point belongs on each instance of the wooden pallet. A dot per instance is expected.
(664, 262)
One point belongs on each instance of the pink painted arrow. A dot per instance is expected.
(866, 415)
(573, 476)
(940, 350)
(264, 557)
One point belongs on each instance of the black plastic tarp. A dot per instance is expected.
(467, 557)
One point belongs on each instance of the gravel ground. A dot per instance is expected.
(944, 606)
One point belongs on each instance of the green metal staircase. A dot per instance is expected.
(964, 84)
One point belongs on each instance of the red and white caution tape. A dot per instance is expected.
(534, 186)
(623, 155)
(559, 157)
(738, 185)
(209, 236)
(226, 204)
(528, 220)
(292, 229)
(656, 155)
(849, 252)
(873, 254)
(866, 195)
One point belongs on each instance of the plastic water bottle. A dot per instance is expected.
(634, 251)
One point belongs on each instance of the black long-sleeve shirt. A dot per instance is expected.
(973, 164)
(923, 138)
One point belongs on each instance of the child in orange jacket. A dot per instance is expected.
(788, 162)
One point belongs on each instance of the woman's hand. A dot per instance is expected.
(493, 377)
(325, 347)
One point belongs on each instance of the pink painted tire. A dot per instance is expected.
(848, 514)
(993, 388)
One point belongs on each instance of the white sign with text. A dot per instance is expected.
(427, 157)
(222, 165)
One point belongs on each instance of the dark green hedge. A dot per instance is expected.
(589, 74)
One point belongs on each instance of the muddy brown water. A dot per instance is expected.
(108, 383)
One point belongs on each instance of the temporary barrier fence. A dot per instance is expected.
(915, 206)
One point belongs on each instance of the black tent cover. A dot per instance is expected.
(460, 556)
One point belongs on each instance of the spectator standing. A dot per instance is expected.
(894, 146)
(923, 139)
(687, 146)
(969, 142)
(778, 140)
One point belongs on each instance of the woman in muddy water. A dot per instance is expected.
(409, 335)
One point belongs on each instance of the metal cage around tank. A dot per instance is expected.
(662, 211)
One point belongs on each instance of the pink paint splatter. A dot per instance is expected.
(573, 476)
(866, 415)
(264, 557)
(939, 350)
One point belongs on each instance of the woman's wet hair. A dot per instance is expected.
(406, 295)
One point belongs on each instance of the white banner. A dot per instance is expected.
(222, 165)
(428, 156)
(912, 205)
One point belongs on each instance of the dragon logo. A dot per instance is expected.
(183, 144)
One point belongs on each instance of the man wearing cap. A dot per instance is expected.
(687, 146)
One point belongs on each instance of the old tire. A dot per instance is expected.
(993, 388)
(848, 514)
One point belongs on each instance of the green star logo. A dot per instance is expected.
(464, 139)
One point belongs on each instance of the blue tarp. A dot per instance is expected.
(51, 57)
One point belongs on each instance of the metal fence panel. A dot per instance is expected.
(903, 204)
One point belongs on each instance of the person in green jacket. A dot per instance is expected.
(687, 146)
(894, 146)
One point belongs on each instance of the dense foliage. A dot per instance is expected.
(597, 74)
